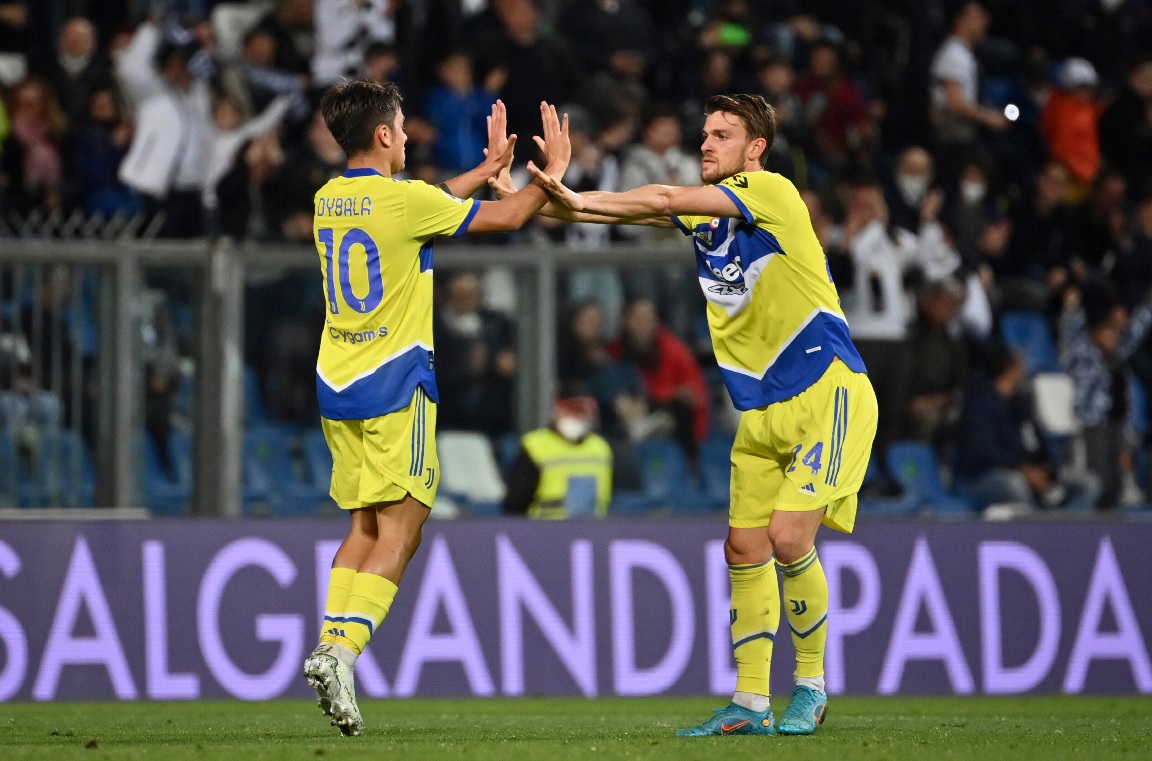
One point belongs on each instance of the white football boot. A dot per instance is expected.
(335, 689)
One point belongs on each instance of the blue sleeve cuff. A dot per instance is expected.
(463, 228)
(681, 226)
(739, 204)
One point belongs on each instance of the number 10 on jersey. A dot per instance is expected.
(342, 255)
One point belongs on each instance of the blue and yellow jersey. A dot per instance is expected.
(773, 310)
(374, 235)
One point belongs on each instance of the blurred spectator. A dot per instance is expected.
(1038, 258)
(290, 26)
(102, 141)
(1134, 265)
(957, 115)
(592, 169)
(458, 109)
(475, 361)
(1000, 457)
(730, 28)
(1021, 150)
(1126, 129)
(971, 211)
(836, 112)
(381, 63)
(875, 305)
(343, 31)
(14, 40)
(777, 81)
(1098, 227)
(1069, 121)
(31, 153)
(939, 364)
(672, 378)
(538, 66)
(615, 37)
(229, 134)
(908, 191)
(565, 470)
(1096, 341)
(658, 159)
(229, 207)
(306, 168)
(583, 357)
(169, 158)
(78, 68)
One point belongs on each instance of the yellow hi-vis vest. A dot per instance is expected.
(568, 472)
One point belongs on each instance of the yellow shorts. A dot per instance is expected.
(806, 452)
(384, 458)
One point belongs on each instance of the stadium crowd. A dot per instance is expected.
(977, 174)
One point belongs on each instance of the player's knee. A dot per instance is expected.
(789, 545)
(742, 551)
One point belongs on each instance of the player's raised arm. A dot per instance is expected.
(642, 202)
(497, 156)
(512, 212)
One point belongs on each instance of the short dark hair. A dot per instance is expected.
(758, 116)
(353, 111)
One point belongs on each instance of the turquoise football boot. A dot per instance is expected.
(805, 712)
(734, 720)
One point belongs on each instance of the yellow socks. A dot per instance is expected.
(754, 617)
(339, 587)
(806, 604)
(369, 598)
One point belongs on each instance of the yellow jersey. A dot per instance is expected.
(773, 309)
(374, 236)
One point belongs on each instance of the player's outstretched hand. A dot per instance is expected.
(555, 145)
(501, 146)
(562, 196)
(502, 184)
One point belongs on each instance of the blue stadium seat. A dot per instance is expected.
(1030, 333)
(507, 447)
(9, 462)
(168, 492)
(277, 473)
(61, 473)
(627, 503)
(255, 412)
(716, 470)
(914, 465)
(665, 475)
(318, 459)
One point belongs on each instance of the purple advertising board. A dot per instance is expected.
(174, 610)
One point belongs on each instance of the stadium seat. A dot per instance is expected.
(1055, 397)
(1029, 332)
(255, 413)
(716, 471)
(508, 446)
(9, 462)
(472, 475)
(665, 475)
(914, 465)
(60, 473)
(318, 458)
(168, 492)
(628, 503)
(273, 453)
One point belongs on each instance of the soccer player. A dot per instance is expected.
(808, 410)
(375, 374)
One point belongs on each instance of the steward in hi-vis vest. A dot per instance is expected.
(564, 471)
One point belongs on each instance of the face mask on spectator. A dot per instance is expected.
(972, 192)
(74, 64)
(573, 428)
(912, 187)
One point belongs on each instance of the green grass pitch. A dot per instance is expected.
(901, 729)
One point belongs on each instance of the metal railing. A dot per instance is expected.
(214, 274)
